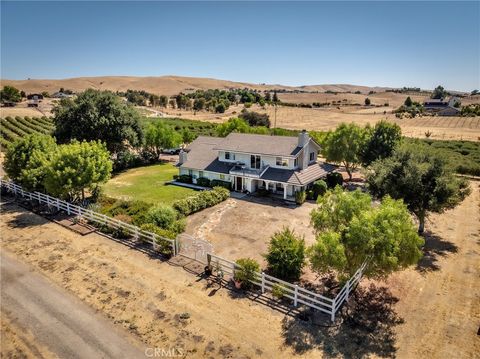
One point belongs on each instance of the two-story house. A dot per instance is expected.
(279, 164)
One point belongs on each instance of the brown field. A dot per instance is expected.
(288, 117)
(431, 311)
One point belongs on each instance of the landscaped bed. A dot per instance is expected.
(147, 184)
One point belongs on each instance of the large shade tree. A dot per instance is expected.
(75, 167)
(25, 159)
(344, 145)
(350, 230)
(159, 136)
(97, 115)
(10, 94)
(380, 141)
(421, 177)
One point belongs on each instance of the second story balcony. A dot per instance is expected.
(243, 170)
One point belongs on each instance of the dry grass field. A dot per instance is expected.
(327, 118)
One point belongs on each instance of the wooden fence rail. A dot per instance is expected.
(88, 214)
(297, 294)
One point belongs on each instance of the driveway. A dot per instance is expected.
(242, 227)
(59, 321)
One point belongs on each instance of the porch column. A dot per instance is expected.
(266, 185)
(284, 191)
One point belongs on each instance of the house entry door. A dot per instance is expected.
(238, 183)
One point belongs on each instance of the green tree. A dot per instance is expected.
(97, 115)
(380, 142)
(419, 176)
(268, 97)
(275, 97)
(75, 167)
(439, 93)
(187, 135)
(159, 136)
(25, 160)
(286, 254)
(367, 102)
(408, 102)
(255, 118)
(349, 230)
(232, 125)
(344, 146)
(199, 104)
(10, 94)
(154, 100)
(163, 101)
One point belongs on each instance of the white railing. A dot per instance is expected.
(292, 291)
(90, 215)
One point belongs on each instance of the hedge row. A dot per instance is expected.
(201, 200)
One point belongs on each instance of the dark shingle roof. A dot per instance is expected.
(298, 178)
(202, 156)
(260, 144)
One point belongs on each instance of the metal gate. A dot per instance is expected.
(193, 248)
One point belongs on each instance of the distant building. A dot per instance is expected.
(441, 107)
(34, 99)
(61, 95)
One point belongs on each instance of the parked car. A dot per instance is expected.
(171, 151)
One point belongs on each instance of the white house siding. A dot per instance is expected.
(210, 175)
(245, 158)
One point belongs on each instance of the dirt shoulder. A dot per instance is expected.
(59, 320)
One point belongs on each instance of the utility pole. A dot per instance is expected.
(275, 120)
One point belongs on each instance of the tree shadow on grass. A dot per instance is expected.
(364, 327)
(435, 247)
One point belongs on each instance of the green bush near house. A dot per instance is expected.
(201, 200)
(185, 179)
(220, 183)
(300, 197)
(203, 181)
(319, 188)
(334, 179)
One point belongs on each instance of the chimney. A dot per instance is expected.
(303, 138)
(182, 157)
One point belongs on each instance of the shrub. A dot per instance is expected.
(319, 188)
(126, 159)
(286, 254)
(220, 183)
(162, 216)
(300, 197)
(164, 247)
(310, 194)
(120, 232)
(246, 272)
(185, 179)
(334, 179)
(137, 210)
(201, 200)
(203, 181)
(278, 291)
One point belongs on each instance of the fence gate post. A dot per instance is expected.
(263, 282)
(332, 313)
(295, 301)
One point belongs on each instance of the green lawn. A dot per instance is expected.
(147, 184)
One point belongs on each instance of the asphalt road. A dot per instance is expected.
(58, 320)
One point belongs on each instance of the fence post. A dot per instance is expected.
(68, 208)
(58, 204)
(348, 290)
(295, 300)
(332, 313)
(263, 282)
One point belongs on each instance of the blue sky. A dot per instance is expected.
(292, 43)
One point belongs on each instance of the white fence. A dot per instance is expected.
(264, 281)
(90, 215)
(294, 292)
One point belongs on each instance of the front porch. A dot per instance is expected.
(275, 189)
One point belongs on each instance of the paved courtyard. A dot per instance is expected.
(242, 227)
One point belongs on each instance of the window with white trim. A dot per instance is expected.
(312, 156)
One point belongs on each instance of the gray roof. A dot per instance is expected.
(260, 144)
(202, 156)
(298, 178)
